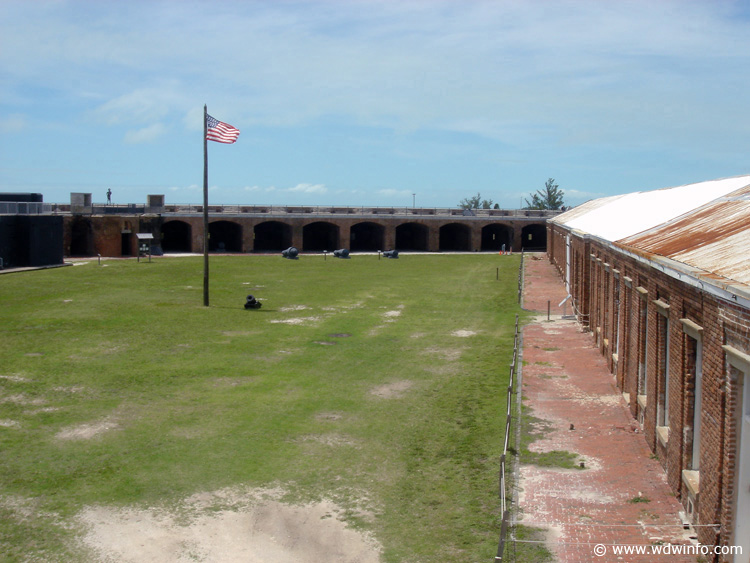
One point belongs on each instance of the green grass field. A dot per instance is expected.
(378, 384)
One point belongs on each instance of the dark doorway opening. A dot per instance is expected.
(224, 236)
(412, 236)
(455, 236)
(495, 236)
(534, 237)
(320, 236)
(367, 236)
(126, 243)
(82, 238)
(176, 236)
(272, 236)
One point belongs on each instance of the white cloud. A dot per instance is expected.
(146, 134)
(524, 71)
(308, 189)
(266, 189)
(557, 83)
(390, 192)
(140, 106)
(13, 123)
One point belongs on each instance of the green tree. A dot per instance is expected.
(551, 197)
(475, 202)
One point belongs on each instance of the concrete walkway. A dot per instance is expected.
(622, 496)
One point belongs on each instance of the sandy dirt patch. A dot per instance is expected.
(69, 389)
(41, 410)
(226, 527)
(333, 416)
(463, 333)
(22, 399)
(15, 378)
(88, 430)
(448, 354)
(235, 381)
(294, 308)
(297, 320)
(392, 390)
(392, 315)
(327, 439)
(239, 332)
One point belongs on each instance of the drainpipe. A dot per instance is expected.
(719, 519)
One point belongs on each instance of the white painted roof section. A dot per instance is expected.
(583, 209)
(639, 211)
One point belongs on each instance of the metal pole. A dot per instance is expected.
(205, 205)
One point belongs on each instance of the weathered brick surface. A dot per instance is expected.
(97, 234)
(567, 381)
(722, 322)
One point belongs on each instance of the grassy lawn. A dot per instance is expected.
(378, 384)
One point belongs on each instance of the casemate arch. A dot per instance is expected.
(176, 236)
(495, 237)
(534, 237)
(261, 231)
(455, 236)
(367, 236)
(272, 236)
(82, 238)
(412, 236)
(224, 236)
(319, 236)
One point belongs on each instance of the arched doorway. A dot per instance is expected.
(455, 236)
(412, 236)
(495, 236)
(224, 236)
(176, 236)
(320, 236)
(272, 236)
(534, 237)
(367, 236)
(81, 237)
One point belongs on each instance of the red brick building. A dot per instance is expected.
(110, 230)
(662, 281)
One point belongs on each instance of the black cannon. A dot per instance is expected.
(252, 303)
(341, 253)
(391, 253)
(290, 253)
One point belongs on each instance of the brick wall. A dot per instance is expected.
(623, 295)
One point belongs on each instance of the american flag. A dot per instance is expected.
(220, 132)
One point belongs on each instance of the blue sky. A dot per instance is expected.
(368, 102)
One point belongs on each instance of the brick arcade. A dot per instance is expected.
(111, 230)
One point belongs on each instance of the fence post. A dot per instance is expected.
(503, 534)
(508, 419)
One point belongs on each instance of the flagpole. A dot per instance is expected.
(205, 205)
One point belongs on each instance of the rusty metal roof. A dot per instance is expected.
(619, 217)
(714, 238)
(705, 227)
